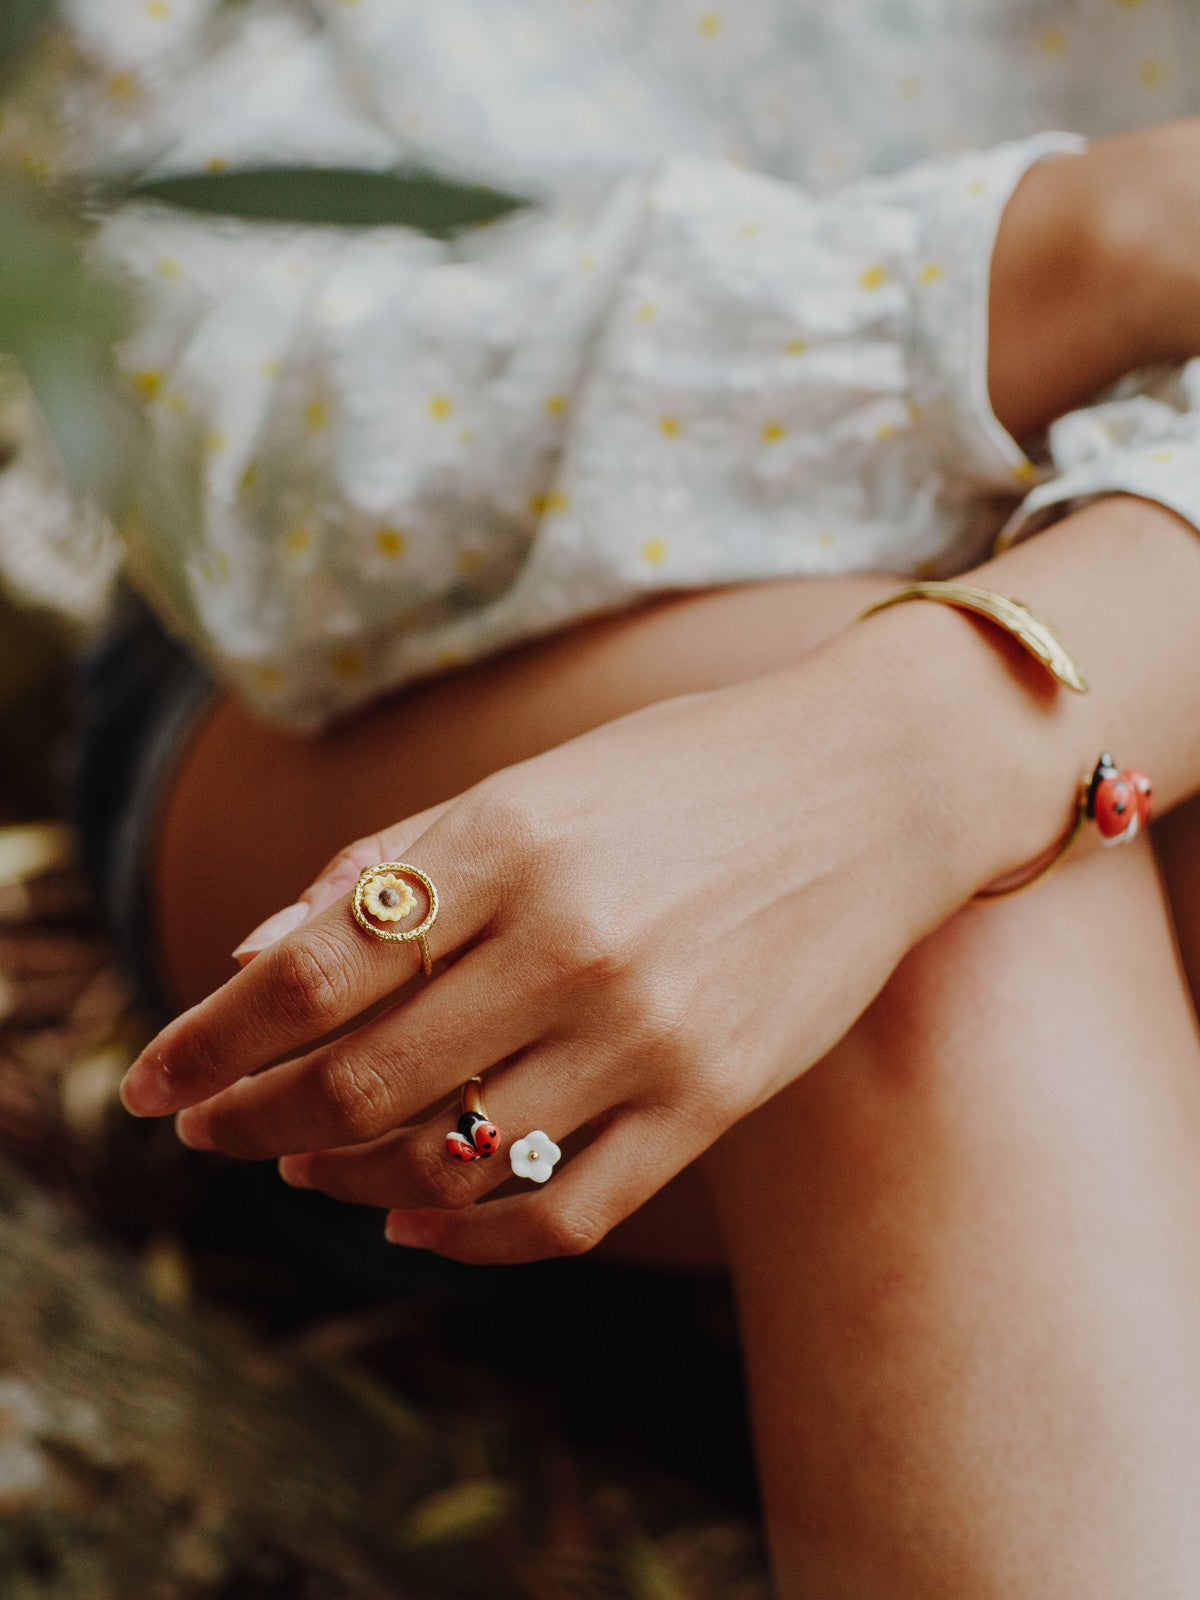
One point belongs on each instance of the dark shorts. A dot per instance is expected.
(138, 696)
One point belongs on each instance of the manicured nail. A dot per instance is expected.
(292, 1171)
(189, 1130)
(146, 1090)
(272, 929)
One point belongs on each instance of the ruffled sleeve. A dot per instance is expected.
(1142, 439)
(408, 454)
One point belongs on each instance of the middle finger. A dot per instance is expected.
(545, 1089)
(377, 1075)
(300, 990)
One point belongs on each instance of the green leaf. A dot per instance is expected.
(46, 293)
(342, 197)
(58, 324)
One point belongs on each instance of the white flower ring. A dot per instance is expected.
(534, 1156)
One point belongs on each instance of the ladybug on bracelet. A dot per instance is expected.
(1118, 801)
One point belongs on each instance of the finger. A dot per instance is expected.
(413, 1167)
(311, 983)
(386, 1070)
(635, 1155)
(338, 877)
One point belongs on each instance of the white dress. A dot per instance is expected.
(739, 332)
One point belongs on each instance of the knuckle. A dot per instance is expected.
(659, 1018)
(202, 1063)
(357, 1096)
(715, 1095)
(518, 836)
(344, 870)
(310, 982)
(585, 952)
(567, 1231)
(601, 951)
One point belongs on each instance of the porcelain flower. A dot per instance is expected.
(388, 897)
(533, 1157)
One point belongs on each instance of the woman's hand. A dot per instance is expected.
(650, 930)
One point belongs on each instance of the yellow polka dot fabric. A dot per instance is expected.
(741, 334)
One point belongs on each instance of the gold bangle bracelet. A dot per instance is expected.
(1037, 637)
(1124, 797)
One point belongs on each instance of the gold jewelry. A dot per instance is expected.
(475, 1134)
(381, 893)
(1039, 871)
(1118, 802)
(1038, 637)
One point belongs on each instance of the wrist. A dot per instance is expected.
(992, 753)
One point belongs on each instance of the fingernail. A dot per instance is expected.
(293, 1172)
(272, 929)
(189, 1130)
(146, 1090)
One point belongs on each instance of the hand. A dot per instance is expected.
(651, 930)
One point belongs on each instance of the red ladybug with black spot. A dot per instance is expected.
(1119, 802)
(461, 1149)
(483, 1135)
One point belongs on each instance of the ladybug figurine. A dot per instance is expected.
(484, 1135)
(461, 1149)
(1118, 802)
(476, 1136)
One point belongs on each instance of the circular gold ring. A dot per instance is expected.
(382, 895)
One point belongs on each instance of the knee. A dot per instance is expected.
(1025, 1007)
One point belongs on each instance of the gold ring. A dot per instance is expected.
(382, 894)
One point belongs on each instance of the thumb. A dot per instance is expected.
(338, 877)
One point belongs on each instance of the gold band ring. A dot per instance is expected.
(382, 895)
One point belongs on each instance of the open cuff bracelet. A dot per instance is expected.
(1117, 801)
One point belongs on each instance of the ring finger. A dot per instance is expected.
(414, 1167)
(375, 1076)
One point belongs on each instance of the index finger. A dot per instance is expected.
(313, 982)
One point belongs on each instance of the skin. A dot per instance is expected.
(969, 1282)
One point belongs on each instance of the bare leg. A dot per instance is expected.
(966, 1246)
(970, 1289)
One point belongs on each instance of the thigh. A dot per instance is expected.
(967, 1254)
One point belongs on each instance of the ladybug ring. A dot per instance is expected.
(476, 1135)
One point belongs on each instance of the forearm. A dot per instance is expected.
(1004, 746)
(1094, 273)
